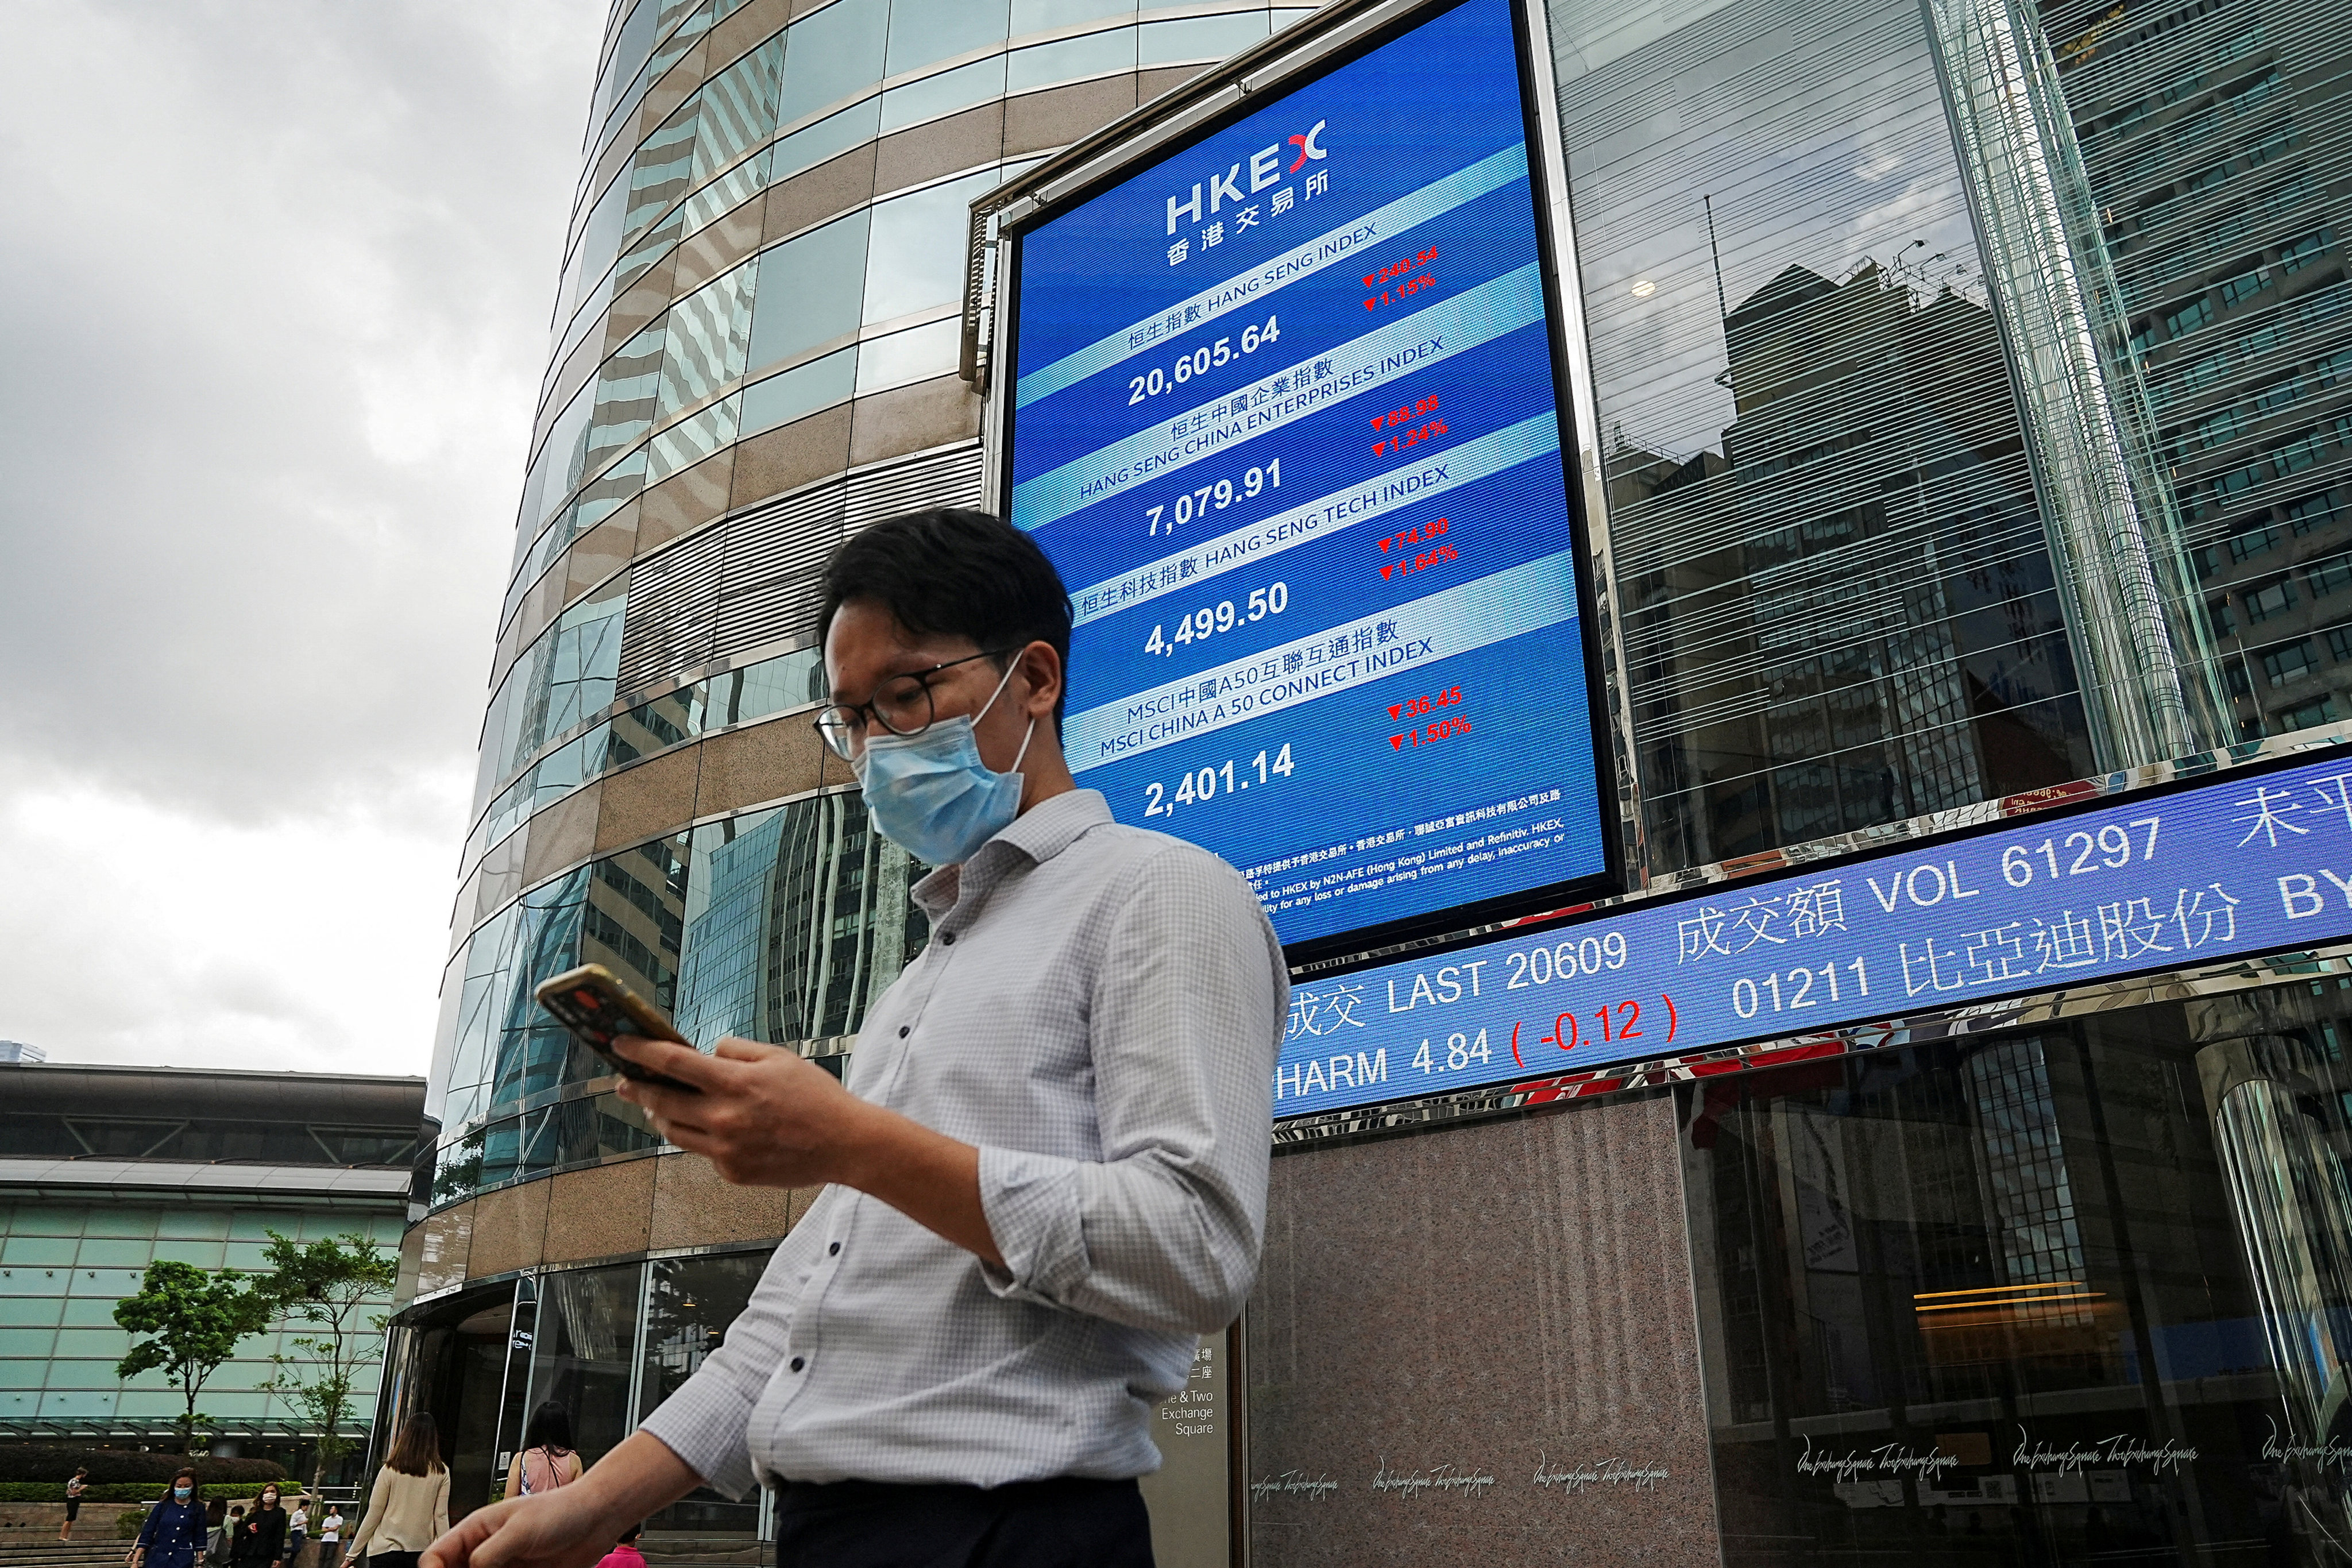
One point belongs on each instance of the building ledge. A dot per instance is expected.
(84, 1178)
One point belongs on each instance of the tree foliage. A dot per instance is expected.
(193, 1319)
(327, 1284)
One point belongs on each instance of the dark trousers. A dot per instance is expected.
(1066, 1524)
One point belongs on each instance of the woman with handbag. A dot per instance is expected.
(408, 1506)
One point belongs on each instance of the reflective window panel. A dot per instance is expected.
(584, 1343)
(1838, 608)
(2216, 151)
(796, 919)
(2080, 1295)
(690, 1303)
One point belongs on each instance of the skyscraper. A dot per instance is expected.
(753, 352)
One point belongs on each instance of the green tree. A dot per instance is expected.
(327, 1284)
(195, 1319)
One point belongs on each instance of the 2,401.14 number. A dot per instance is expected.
(1207, 783)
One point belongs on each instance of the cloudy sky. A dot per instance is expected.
(274, 287)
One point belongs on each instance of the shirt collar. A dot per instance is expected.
(1039, 834)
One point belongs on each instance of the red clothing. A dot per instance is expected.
(623, 1556)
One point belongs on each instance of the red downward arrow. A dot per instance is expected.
(1386, 569)
(1396, 743)
(1395, 709)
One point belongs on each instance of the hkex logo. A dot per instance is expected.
(1265, 169)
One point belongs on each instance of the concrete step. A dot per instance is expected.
(701, 1552)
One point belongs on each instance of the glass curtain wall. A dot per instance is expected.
(690, 1302)
(584, 1352)
(646, 376)
(606, 1344)
(1838, 606)
(1970, 381)
(2072, 1296)
(2215, 158)
(780, 925)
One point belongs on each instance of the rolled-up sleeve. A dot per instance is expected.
(1161, 1233)
(706, 1423)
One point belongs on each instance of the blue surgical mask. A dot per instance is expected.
(931, 794)
(179, 1494)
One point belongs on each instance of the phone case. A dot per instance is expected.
(591, 1001)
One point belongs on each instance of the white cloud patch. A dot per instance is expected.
(275, 296)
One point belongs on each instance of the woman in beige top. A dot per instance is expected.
(546, 1460)
(408, 1507)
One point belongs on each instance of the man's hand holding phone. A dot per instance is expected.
(769, 1118)
(764, 1117)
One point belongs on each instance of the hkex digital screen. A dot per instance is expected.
(1283, 412)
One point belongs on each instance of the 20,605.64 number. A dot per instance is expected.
(1201, 361)
(1207, 783)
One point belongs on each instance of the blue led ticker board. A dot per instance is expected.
(2247, 864)
(1285, 410)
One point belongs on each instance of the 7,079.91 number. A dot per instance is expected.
(1213, 497)
(1207, 783)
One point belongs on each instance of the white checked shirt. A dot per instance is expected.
(1099, 1010)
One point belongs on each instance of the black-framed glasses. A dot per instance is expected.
(902, 705)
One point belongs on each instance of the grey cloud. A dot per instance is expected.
(273, 296)
(274, 302)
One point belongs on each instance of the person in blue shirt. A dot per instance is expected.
(175, 1534)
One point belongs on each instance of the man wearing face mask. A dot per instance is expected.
(1047, 1177)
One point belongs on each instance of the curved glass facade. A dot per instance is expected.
(777, 925)
(751, 355)
(699, 309)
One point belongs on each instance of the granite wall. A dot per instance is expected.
(1477, 1345)
(604, 1213)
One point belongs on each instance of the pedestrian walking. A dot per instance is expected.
(1046, 1176)
(298, 1530)
(75, 1487)
(625, 1552)
(218, 1538)
(331, 1537)
(174, 1534)
(546, 1460)
(260, 1541)
(408, 1506)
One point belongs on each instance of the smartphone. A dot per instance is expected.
(592, 1003)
